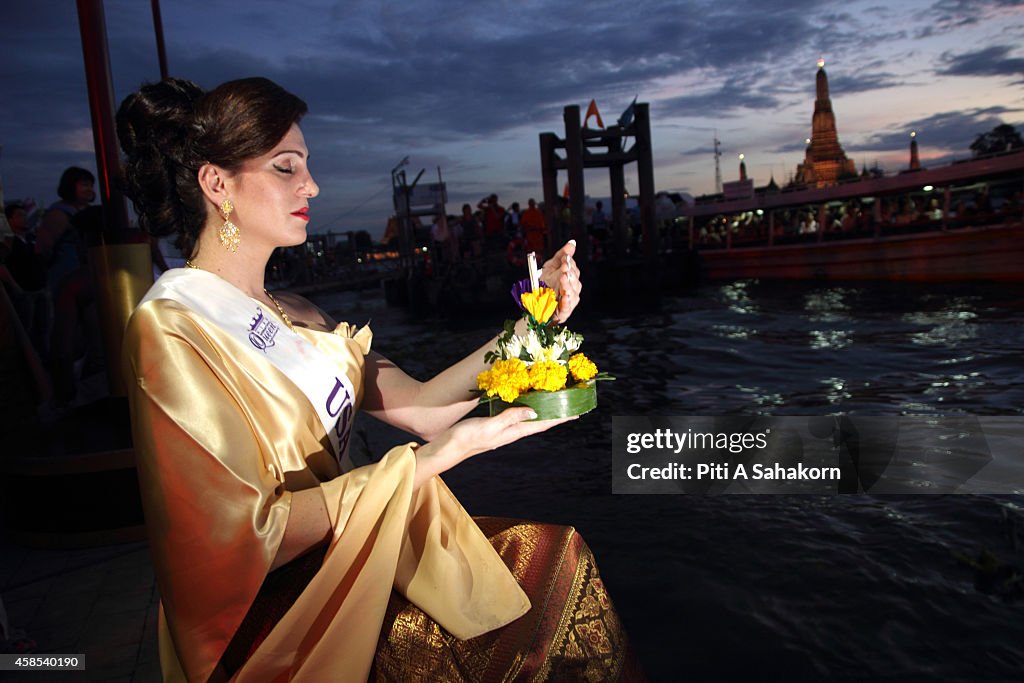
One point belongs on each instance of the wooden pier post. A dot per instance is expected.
(549, 178)
(574, 168)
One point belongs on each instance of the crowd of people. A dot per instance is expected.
(45, 274)
(514, 231)
(490, 228)
(853, 218)
(46, 288)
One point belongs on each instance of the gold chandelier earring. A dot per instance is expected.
(229, 234)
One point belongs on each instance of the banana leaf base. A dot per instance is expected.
(552, 405)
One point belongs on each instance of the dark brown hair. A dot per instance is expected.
(168, 130)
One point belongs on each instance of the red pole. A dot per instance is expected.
(92, 24)
(121, 272)
(158, 26)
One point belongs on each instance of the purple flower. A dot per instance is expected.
(520, 288)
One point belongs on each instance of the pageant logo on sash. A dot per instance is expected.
(262, 330)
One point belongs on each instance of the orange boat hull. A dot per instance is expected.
(990, 253)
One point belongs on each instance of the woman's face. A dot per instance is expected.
(17, 220)
(271, 194)
(84, 192)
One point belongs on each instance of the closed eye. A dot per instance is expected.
(284, 169)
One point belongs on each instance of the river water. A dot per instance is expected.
(844, 587)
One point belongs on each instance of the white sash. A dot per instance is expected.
(327, 387)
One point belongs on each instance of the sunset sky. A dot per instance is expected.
(468, 86)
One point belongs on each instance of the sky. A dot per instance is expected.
(467, 86)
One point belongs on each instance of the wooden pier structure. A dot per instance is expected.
(583, 148)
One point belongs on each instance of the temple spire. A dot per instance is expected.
(825, 162)
(915, 160)
(822, 85)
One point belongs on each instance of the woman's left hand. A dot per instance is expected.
(561, 274)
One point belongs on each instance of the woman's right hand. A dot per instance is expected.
(477, 435)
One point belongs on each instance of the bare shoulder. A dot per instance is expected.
(304, 312)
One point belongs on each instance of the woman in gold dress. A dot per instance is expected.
(275, 558)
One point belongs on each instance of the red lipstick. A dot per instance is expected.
(302, 213)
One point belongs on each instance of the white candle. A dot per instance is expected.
(531, 264)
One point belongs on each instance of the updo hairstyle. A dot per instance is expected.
(168, 130)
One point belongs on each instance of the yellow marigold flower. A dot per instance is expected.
(540, 303)
(483, 380)
(507, 379)
(581, 367)
(547, 375)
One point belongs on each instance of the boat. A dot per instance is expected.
(956, 223)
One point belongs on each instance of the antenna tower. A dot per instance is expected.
(718, 168)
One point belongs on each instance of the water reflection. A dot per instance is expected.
(732, 331)
(738, 295)
(950, 325)
(828, 305)
(763, 398)
(755, 348)
(835, 390)
(830, 339)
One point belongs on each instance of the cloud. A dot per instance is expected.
(469, 85)
(848, 84)
(990, 61)
(76, 140)
(944, 16)
(724, 102)
(952, 130)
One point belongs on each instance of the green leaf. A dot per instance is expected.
(549, 405)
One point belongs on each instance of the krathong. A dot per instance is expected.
(543, 368)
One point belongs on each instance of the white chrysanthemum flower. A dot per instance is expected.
(510, 349)
(532, 345)
(570, 341)
(551, 353)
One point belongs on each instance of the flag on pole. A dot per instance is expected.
(627, 116)
(592, 111)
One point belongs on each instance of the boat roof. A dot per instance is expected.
(987, 168)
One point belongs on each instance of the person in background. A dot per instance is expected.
(534, 229)
(513, 230)
(598, 232)
(57, 242)
(493, 221)
(441, 237)
(471, 237)
(33, 301)
(12, 641)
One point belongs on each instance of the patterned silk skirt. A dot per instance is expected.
(572, 632)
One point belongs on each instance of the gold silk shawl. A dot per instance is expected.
(221, 441)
